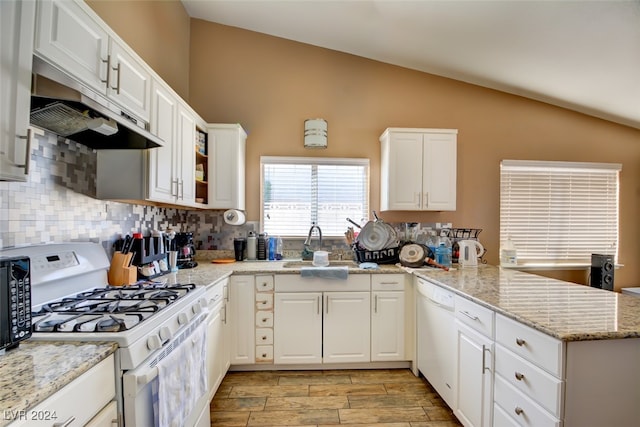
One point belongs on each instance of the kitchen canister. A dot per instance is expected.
(234, 217)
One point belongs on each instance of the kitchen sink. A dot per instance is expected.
(332, 263)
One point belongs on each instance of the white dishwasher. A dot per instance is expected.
(436, 337)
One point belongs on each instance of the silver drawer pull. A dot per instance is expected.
(65, 423)
(520, 342)
(264, 355)
(470, 316)
(519, 410)
(264, 320)
(264, 337)
(519, 376)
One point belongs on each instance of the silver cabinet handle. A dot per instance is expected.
(318, 303)
(327, 305)
(117, 88)
(224, 311)
(519, 410)
(108, 62)
(181, 189)
(470, 316)
(27, 153)
(520, 342)
(375, 304)
(65, 423)
(174, 182)
(419, 200)
(484, 366)
(519, 376)
(426, 200)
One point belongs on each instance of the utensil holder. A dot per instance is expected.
(120, 272)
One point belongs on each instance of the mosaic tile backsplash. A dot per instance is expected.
(58, 204)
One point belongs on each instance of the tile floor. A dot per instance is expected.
(359, 398)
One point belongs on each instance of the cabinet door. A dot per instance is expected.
(297, 328)
(387, 326)
(15, 87)
(227, 167)
(347, 332)
(186, 156)
(73, 40)
(439, 172)
(401, 181)
(241, 318)
(214, 346)
(475, 377)
(129, 81)
(164, 110)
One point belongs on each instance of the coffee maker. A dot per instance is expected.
(186, 250)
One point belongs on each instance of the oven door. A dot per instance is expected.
(172, 383)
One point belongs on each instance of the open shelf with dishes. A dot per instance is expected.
(202, 167)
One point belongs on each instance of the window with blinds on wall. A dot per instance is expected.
(299, 191)
(559, 213)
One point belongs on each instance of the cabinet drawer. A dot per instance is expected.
(264, 301)
(296, 283)
(264, 353)
(540, 349)
(530, 380)
(264, 283)
(474, 316)
(501, 418)
(524, 410)
(387, 282)
(264, 336)
(264, 319)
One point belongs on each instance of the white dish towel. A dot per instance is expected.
(182, 379)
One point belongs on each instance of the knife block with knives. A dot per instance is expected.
(121, 272)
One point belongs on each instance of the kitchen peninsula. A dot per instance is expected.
(574, 349)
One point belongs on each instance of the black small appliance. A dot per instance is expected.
(602, 268)
(15, 301)
(186, 250)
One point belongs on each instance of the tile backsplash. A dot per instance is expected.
(58, 204)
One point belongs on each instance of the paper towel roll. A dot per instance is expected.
(234, 217)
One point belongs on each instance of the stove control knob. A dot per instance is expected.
(183, 319)
(196, 308)
(165, 334)
(154, 342)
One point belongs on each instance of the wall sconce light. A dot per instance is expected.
(315, 133)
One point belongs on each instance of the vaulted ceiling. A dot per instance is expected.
(581, 55)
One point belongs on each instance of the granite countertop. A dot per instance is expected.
(567, 311)
(36, 370)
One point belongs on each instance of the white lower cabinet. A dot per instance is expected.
(322, 327)
(80, 402)
(475, 377)
(388, 317)
(241, 314)
(475, 350)
(217, 348)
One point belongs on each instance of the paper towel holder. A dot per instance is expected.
(234, 217)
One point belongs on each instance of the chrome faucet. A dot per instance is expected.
(307, 253)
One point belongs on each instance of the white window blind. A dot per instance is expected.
(299, 191)
(559, 213)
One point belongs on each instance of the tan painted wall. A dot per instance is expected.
(272, 85)
(157, 30)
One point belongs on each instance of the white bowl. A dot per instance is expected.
(320, 259)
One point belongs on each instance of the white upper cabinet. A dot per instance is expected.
(186, 156)
(73, 38)
(418, 169)
(227, 144)
(162, 168)
(15, 84)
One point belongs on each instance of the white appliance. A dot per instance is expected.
(72, 301)
(470, 251)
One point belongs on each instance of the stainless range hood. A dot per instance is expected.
(69, 109)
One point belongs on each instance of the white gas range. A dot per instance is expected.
(72, 301)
